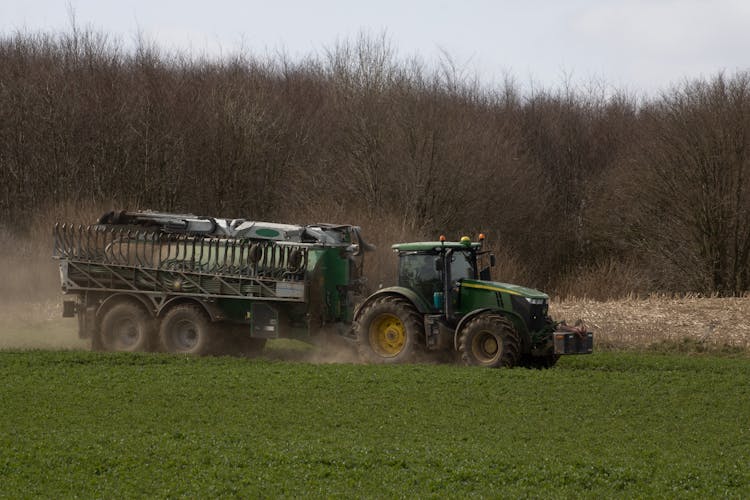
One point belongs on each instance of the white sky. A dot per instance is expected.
(639, 45)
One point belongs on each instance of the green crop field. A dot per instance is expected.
(119, 425)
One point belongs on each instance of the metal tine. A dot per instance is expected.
(141, 241)
(275, 252)
(181, 251)
(87, 243)
(252, 267)
(218, 263)
(177, 262)
(210, 261)
(158, 251)
(67, 235)
(82, 243)
(217, 255)
(94, 232)
(109, 245)
(240, 256)
(77, 242)
(236, 255)
(179, 246)
(70, 240)
(156, 247)
(63, 241)
(117, 244)
(128, 255)
(212, 255)
(200, 257)
(134, 258)
(169, 247)
(90, 250)
(229, 255)
(225, 261)
(191, 249)
(148, 250)
(234, 267)
(70, 236)
(106, 244)
(193, 241)
(266, 259)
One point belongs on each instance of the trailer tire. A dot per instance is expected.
(489, 340)
(187, 329)
(389, 330)
(126, 327)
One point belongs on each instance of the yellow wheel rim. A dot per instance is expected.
(387, 335)
(486, 347)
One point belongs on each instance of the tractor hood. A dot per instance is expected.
(495, 286)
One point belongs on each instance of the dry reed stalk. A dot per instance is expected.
(631, 322)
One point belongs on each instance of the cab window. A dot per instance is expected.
(462, 266)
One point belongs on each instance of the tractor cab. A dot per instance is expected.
(434, 270)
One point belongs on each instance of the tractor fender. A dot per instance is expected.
(114, 298)
(463, 321)
(516, 319)
(398, 291)
(213, 311)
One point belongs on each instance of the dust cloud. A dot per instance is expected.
(30, 298)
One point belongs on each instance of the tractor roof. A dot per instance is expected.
(427, 246)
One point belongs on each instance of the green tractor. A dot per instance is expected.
(445, 303)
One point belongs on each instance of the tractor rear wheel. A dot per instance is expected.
(187, 329)
(388, 330)
(126, 327)
(489, 340)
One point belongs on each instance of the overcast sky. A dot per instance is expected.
(639, 45)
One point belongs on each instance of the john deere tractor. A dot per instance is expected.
(445, 303)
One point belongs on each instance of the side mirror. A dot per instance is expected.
(438, 264)
(492, 260)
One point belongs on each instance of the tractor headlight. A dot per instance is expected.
(536, 301)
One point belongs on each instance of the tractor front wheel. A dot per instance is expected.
(489, 340)
(388, 330)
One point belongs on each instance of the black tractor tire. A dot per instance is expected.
(389, 330)
(489, 340)
(187, 329)
(539, 362)
(126, 327)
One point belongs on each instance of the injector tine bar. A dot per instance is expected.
(101, 258)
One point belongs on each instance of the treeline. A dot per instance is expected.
(580, 190)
